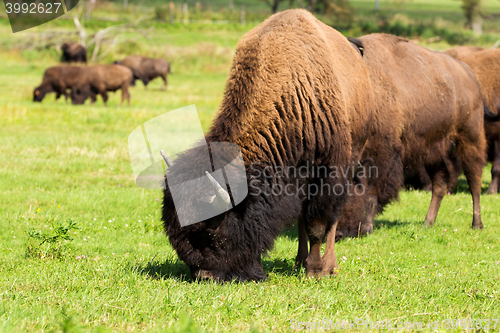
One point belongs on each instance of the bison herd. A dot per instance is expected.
(301, 95)
(85, 82)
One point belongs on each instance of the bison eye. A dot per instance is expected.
(37, 92)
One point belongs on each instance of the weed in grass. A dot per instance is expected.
(54, 241)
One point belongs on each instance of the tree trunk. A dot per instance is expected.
(275, 6)
(310, 6)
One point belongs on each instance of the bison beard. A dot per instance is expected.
(298, 94)
(435, 109)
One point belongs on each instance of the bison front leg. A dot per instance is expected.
(316, 231)
(125, 95)
(315, 264)
(164, 77)
(495, 170)
(104, 96)
(302, 251)
(329, 259)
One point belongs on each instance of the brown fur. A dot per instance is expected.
(73, 52)
(485, 64)
(298, 93)
(57, 79)
(99, 79)
(428, 102)
(486, 67)
(460, 52)
(146, 69)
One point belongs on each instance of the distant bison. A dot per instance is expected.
(462, 51)
(73, 52)
(146, 69)
(99, 79)
(57, 79)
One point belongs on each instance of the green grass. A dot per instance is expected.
(60, 162)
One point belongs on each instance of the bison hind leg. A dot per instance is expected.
(473, 168)
(439, 176)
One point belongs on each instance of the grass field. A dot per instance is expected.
(62, 163)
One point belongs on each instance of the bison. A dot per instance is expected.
(73, 52)
(99, 79)
(298, 95)
(57, 79)
(482, 63)
(462, 51)
(146, 69)
(429, 112)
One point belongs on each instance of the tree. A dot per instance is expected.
(471, 10)
(273, 4)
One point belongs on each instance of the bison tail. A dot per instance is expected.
(490, 115)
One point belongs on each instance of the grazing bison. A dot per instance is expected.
(99, 79)
(146, 69)
(462, 51)
(57, 79)
(73, 52)
(298, 95)
(433, 110)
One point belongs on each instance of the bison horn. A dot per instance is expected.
(222, 199)
(167, 160)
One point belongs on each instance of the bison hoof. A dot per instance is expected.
(203, 275)
(491, 191)
(428, 223)
(477, 226)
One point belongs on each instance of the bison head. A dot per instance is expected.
(38, 94)
(227, 246)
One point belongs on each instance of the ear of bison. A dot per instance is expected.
(357, 44)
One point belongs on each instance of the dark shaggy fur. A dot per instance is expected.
(146, 69)
(298, 95)
(57, 79)
(73, 52)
